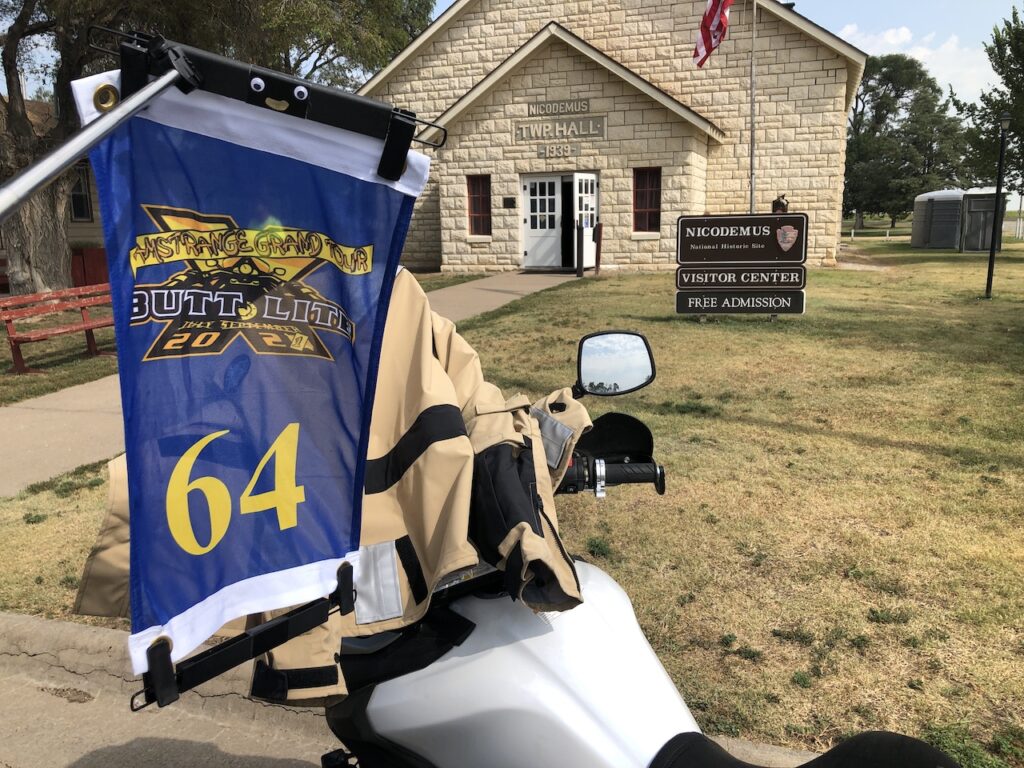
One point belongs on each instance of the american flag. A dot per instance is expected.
(712, 29)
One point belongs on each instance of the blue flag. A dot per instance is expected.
(251, 258)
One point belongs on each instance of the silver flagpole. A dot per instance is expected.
(753, 107)
(19, 188)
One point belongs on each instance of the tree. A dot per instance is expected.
(1006, 54)
(331, 41)
(901, 141)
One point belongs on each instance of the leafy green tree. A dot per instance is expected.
(335, 42)
(1006, 54)
(901, 141)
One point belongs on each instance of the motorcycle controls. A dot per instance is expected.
(617, 450)
(586, 473)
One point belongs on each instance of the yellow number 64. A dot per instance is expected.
(285, 496)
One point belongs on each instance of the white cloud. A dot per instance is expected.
(964, 68)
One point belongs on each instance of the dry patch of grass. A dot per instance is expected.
(846, 495)
(46, 533)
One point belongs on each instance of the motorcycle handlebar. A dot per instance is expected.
(589, 474)
(619, 474)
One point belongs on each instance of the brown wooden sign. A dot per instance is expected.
(740, 278)
(758, 238)
(740, 302)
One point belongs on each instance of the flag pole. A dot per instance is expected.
(753, 107)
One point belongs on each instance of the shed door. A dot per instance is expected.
(542, 220)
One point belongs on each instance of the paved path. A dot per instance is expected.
(55, 433)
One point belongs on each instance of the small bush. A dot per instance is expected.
(34, 518)
(69, 581)
(886, 616)
(749, 654)
(795, 635)
(860, 643)
(801, 679)
(598, 546)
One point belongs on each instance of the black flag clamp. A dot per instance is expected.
(164, 683)
(145, 56)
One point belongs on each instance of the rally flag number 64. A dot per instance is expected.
(285, 497)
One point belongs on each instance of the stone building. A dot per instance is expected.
(565, 113)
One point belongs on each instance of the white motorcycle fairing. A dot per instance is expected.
(580, 689)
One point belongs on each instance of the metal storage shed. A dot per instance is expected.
(955, 218)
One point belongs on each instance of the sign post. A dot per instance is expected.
(741, 264)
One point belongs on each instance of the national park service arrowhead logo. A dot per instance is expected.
(236, 282)
(787, 237)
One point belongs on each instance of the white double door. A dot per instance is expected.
(549, 237)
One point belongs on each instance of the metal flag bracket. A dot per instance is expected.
(150, 65)
(164, 683)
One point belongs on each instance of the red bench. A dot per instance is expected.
(15, 308)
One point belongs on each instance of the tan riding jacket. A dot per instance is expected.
(455, 473)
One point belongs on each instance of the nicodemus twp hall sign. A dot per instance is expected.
(741, 264)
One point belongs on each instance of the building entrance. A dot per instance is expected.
(555, 207)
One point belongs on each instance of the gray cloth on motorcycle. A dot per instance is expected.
(555, 434)
(378, 595)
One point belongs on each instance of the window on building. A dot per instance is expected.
(646, 199)
(479, 204)
(81, 203)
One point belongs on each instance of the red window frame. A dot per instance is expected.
(478, 189)
(647, 199)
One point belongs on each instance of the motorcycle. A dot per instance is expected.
(484, 682)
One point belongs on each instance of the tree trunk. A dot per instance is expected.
(858, 222)
(36, 236)
(892, 220)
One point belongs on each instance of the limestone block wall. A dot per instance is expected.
(639, 132)
(802, 90)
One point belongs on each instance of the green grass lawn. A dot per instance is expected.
(842, 542)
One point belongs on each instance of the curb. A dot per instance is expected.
(101, 656)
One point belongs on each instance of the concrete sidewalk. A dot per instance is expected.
(80, 425)
(65, 703)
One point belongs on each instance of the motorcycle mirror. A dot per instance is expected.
(613, 363)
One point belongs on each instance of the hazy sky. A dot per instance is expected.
(947, 35)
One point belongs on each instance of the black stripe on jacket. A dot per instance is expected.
(435, 424)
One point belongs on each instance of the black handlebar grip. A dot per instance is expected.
(619, 474)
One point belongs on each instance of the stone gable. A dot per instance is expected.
(802, 91)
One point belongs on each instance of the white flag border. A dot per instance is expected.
(193, 627)
(263, 130)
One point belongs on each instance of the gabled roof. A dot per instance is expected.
(554, 31)
(855, 57)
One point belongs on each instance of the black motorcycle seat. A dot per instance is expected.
(874, 749)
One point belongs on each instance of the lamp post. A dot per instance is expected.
(997, 214)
